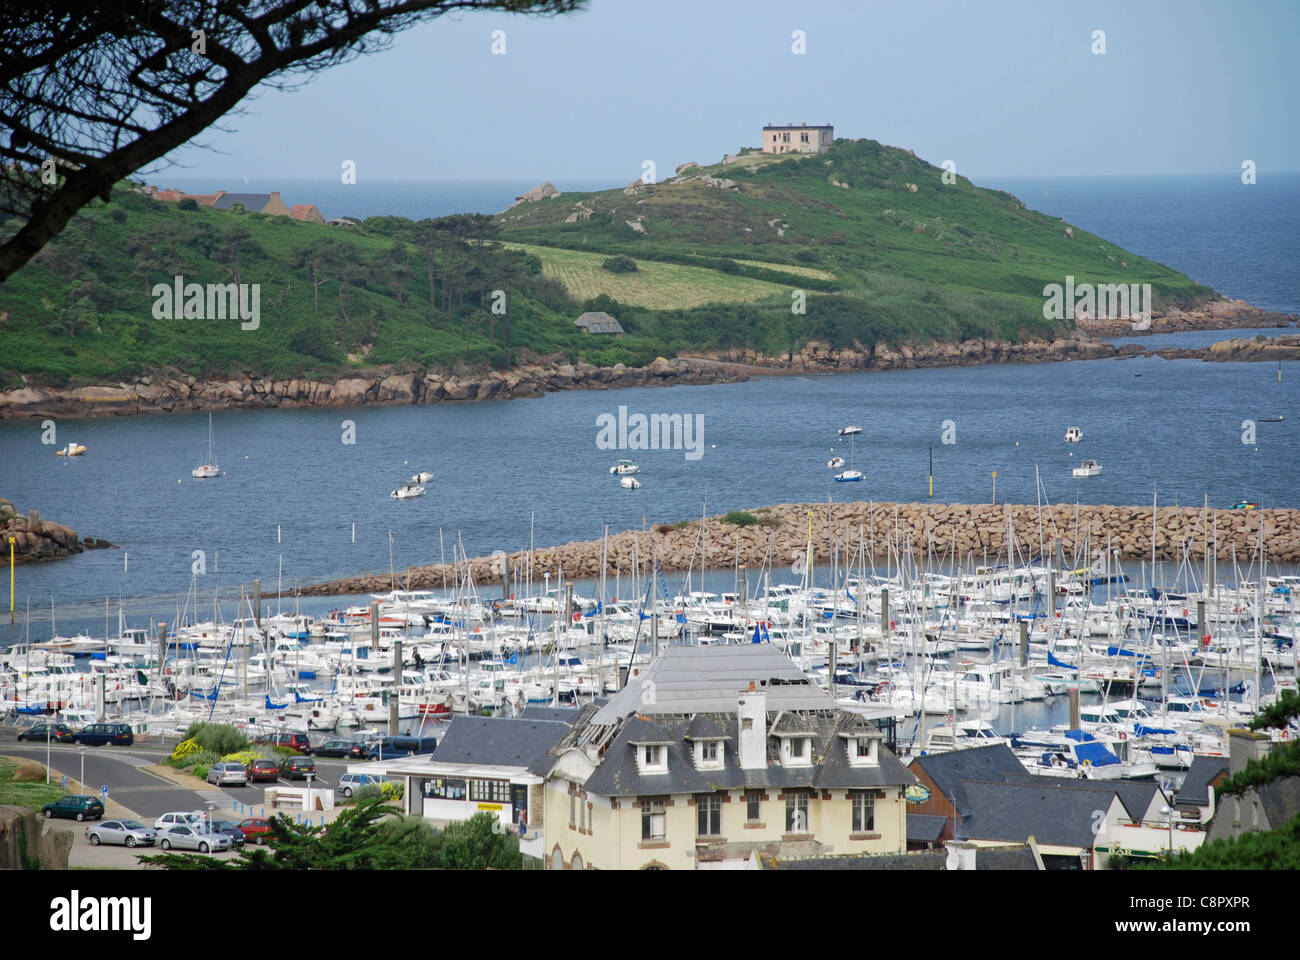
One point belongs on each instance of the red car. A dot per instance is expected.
(255, 829)
(262, 769)
(294, 741)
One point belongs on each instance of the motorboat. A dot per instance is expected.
(210, 469)
(406, 491)
(629, 483)
(849, 476)
(835, 463)
(848, 431)
(72, 450)
(1089, 468)
(624, 468)
(424, 477)
(1073, 435)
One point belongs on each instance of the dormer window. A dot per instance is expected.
(708, 755)
(796, 752)
(863, 751)
(652, 758)
(797, 747)
(709, 750)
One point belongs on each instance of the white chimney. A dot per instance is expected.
(752, 714)
(961, 855)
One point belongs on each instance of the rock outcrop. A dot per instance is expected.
(36, 540)
(28, 843)
(968, 531)
(542, 191)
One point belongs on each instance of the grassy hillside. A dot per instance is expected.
(716, 268)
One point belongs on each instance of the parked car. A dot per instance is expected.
(345, 749)
(262, 769)
(168, 820)
(56, 732)
(390, 747)
(294, 741)
(231, 830)
(98, 734)
(192, 837)
(256, 829)
(75, 807)
(132, 833)
(297, 768)
(349, 783)
(228, 774)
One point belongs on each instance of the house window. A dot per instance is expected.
(747, 724)
(709, 815)
(652, 755)
(709, 751)
(445, 789)
(489, 791)
(753, 805)
(864, 811)
(796, 813)
(573, 809)
(652, 819)
(796, 747)
(803, 138)
(863, 747)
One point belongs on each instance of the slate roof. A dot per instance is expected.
(497, 741)
(1134, 795)
(1196, 784)
(706, 726)
(618, 774)
(1281, 800)
(689, 680)
(948, 770)
(924, 827)
(1012, 857)
(597, 321)
(563, 714)
(253, 202)
(1051, 810)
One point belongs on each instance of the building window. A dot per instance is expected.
(864, 811)
(803, 138)
(652, 755)
(708, 810)
(573, 809)
(796, 813)
(753, 805)
(796, 748)
(652, 820)
(489, 791)
(709, 751)
(445, 789)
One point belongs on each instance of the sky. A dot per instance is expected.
(1001, 88)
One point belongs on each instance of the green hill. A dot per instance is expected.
(717, 261)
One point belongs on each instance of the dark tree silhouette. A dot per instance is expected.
(90, 94)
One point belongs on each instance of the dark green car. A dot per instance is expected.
(75, 807)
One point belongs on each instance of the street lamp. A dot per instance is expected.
(82, 751)
(47, 754)
(1169, 819)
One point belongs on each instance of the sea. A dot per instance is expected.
(298, 503)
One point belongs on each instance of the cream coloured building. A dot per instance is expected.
(712, 757)
(798, 139)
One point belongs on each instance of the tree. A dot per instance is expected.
(479, 843)
(103, 91)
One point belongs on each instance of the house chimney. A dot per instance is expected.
(961, 855)
(1244, 746)
(751, 711)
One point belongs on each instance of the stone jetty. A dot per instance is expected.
(968, 532)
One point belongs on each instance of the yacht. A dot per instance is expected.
(629, 483)
(423, 477)
(835, 463)
(210, 469)
(849, 431)
(624, 467)
(1089, 468)
(406, 491)
(1073, 435)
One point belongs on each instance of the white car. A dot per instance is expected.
(169, 820)
(192, 837)
(228, 774)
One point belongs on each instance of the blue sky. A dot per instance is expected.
(1000, 88)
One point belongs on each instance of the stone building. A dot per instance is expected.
(797, 139)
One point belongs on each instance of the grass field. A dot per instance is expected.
(31, 795)
(659, 286)
(787, 268)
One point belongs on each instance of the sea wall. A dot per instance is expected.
(941, 531)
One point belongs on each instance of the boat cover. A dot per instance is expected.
(1142, 731)
(1096, 754)
(1059, 663)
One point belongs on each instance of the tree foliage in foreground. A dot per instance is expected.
(368, 836)
(1268, 850)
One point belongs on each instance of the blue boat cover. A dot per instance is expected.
(1096, 754)
(760, 634)
(274, 706)
(1119, 652)
(1142, 731)
(301, 699)
(1080, 735)
(1162, 749)
(1059, 663)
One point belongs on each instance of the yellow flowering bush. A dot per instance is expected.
(392, 790)
(243, 757)
(186, 749)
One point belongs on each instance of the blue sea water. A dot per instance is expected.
(510, 470)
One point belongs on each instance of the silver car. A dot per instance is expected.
(184, 837)
(228, 774)
(132, 833)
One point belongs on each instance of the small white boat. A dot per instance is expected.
(629, 483)
(835, 463)
(406, 491)
(849, 431)
(624, 467)
(849, 476)
(1073, 435)
(422, 477)
(72, 450)
(1089, 468)
(210, 469)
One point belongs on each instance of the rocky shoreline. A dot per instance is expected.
(978, 532)
(37, 540)
(175, 392)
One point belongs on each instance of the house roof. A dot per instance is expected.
(563, 714)
(1196, 784)
(1016, 856)
(301, 211)
(924, 827)
(949, 770)
(1280, 799)
(206, 199)
(690, 680)
(497, 741)
(1051, 810)
(253, 202)
(619, 775)
(596, 321)
(1135, 795)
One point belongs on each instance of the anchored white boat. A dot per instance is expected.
(629, 483)
(849, 476)
(1073, 435)
(624, 467)
(835, 463)
(1089, 468)
(423, 477)
(849, 431)
(72, 450)
(210, 469)
(406, 491)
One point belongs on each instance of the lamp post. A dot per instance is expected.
(82, 751)
(47, 754)
(1169, 819)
